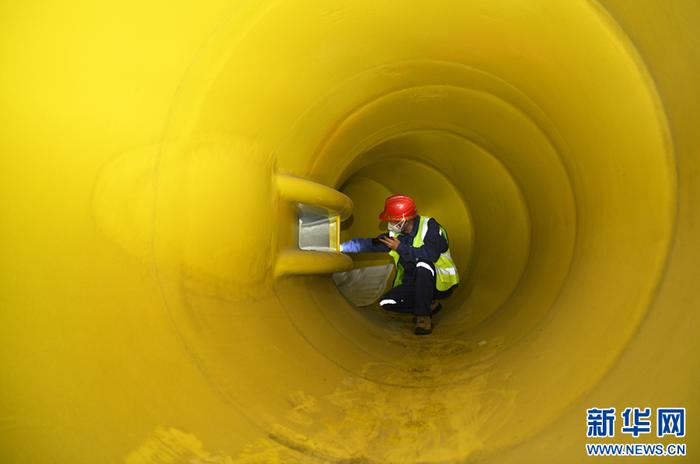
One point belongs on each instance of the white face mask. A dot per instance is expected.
(396, 227)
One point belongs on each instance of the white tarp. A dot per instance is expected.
(363, 286)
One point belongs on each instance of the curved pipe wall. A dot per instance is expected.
(156, 308)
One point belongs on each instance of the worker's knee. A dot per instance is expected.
(425, 268)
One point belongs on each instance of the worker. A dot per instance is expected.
(425, 270)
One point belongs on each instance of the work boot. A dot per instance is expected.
(435, 308)
(424, 325)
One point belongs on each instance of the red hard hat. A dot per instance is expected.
(398, 207)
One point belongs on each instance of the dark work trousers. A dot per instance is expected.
(415, 293)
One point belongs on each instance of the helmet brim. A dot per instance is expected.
(384, 217)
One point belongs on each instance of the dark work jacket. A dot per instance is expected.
(434, 245)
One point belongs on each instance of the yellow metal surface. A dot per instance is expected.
(148, 314)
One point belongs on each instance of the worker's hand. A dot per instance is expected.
(391, 242)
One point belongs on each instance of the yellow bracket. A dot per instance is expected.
(339, 207)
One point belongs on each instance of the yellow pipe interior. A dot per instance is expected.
(154, 305)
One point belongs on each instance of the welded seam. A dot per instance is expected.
(633, 52)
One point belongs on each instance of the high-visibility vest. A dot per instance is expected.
(445, 267)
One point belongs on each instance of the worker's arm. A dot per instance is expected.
(362, 245)
(434, 245)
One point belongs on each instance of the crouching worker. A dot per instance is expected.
(425, 271)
